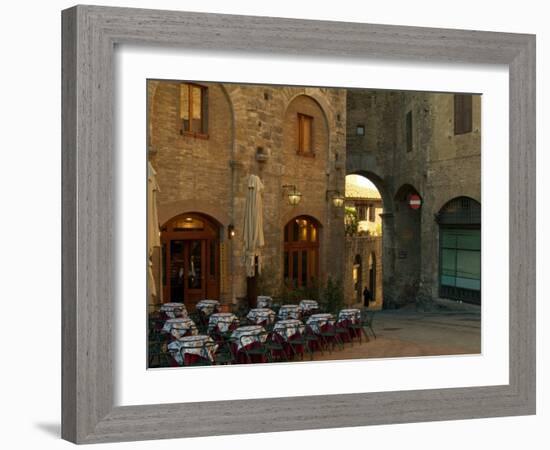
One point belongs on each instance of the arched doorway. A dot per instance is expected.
(368, 232)
(301, 252)
(460, 250)
(190, 252)
(372, 275)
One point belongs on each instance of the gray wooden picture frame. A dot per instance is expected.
(90, 34)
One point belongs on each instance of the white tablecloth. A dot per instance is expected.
(207, 306)
(351, 314)
(309, 305)
(194, 345)
(222, 320)
(179, 327)
(264, 301)
(173, 310)
(316, 321)
(259, 315)
(249, 335)
(289, 312)
(288, 328)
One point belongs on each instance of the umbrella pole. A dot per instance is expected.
(252, 286)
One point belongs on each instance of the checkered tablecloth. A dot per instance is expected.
(317, 321)
(249, 335)
(224, 321)
(309, 305)
(179, 327)
(352, 315)
(289, 312)
(288, 328)
(200, 345)
(173, 310)
(207, 306)
(264, 301)
(259, 315)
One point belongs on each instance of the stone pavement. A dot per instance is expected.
(404, 333)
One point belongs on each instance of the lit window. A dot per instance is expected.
(305, 127)
(193, 109)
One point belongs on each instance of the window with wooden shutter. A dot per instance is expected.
(305, 134)
(193, 110)
(372, 213)
(462, 113)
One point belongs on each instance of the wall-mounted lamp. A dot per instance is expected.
(294, 196)
(337, 198)
(230, 231)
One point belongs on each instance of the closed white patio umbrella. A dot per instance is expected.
(153, 231)
(253, 231)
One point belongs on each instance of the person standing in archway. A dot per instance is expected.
(367, 296)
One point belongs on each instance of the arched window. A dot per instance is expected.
(460, 250)
(301, 251)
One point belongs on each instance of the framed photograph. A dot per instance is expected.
(338, 206)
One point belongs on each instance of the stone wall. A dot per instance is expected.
(252, 130)
(440, 167)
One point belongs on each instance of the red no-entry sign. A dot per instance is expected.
(414, 200)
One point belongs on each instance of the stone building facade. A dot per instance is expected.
(204, 141)
(422, 145)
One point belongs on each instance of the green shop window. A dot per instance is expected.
(460, 250)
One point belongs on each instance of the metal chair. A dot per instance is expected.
(312, 339)
(367, 322)
(201, 360)
(299, 344)
(275, 344)
(157, 355)
(257, 349)
(224, 354)
(328, 335)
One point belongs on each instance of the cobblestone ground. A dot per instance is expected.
(410, 333)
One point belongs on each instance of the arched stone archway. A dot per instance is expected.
(384, 271)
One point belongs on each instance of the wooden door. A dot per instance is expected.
(190, 245)
(195, 271)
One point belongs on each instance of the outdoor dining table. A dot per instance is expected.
(261, 316)
(289, 328)
(180, 327)
(318, 321)
(247, 336)
(173, 310)
(289, 312)
(207, 307)
(289, 331)
(309, 305)
(222, 322)
(193, 348)
(353, 315)
(350, 316)
(264, 301)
